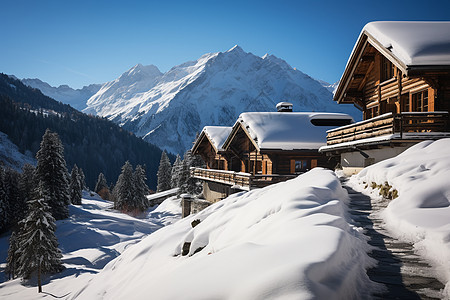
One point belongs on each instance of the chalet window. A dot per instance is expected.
(387, 69)
(301, 166)
(405, 103)
(420, 101)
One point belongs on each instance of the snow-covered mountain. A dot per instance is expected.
(169, 109)
(331, 87)
(10, 155)
(76, 98)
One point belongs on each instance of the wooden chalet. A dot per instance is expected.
(268, 147)
(209, 146)
(399, 76)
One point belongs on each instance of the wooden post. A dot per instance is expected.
(186, 200)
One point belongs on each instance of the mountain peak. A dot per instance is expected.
(236, 48)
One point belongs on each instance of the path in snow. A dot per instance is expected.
(405, 274)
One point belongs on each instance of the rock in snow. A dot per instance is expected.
(169, 109)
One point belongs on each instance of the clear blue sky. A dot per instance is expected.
(83, 42)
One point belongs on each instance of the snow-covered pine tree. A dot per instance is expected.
(140, 201)
(27, 182)
(101, 187)
(82, 179)
(40, 253)
(11, 260)
(125, 188)
(17, 205)
(164, 173)
(75, 186)
(184, 176)
(4, 203)
(176, 172)
(189, 184)
(51, 173)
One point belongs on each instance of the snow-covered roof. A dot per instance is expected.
(288, 131)
(217, 135)
(414, 43)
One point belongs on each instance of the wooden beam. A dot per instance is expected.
(367, 58)
(354, 94)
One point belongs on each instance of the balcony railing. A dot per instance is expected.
(243, 181)
(400, 125)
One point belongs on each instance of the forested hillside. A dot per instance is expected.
(94, 144)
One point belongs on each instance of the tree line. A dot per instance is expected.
(95, 144)
(178, 175)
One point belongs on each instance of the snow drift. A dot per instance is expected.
(421, 213)
(286, 241)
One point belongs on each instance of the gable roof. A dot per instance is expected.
(414, 43)
(411, 46)
(216, 135)
(286, 130)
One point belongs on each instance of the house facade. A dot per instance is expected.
(264, 148)
(399, 76)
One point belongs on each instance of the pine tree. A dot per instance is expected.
(4, 203)
(51, 173)
(140, 201)
(164, 173)
(124, 188)
(40, 253)
(27, 182)
(101, 187)
(189, 184)
(82, 179)
(176, 172)
(11, 261)
(75, 186)
(16, 203)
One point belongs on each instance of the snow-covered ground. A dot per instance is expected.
(421, 213)
(291, 240)
(92, 236)
(286, 241)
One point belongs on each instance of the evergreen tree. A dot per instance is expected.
(124, 188)
(184, 176)
(101, 187)
(176, 172)
(82, 179)
(16, 203)
(27, 182)
(164, 173)
(51, 173)
(11, 261)
(140, 201)
(4, 203)
(40, 253)
(75, 186)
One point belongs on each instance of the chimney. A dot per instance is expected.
(284, 107)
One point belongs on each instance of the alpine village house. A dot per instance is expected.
(262, 148)
(399, 76)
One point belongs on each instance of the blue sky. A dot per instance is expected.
(83, 42)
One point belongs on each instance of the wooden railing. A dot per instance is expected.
(245, 181)
(390, 124)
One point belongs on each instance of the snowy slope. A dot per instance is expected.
(169, 109)
(92, 236)
(421, 213)
(10, 155)
(76, 98)
(286, 241)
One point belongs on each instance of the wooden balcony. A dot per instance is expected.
(240, 180)
(421, 125)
